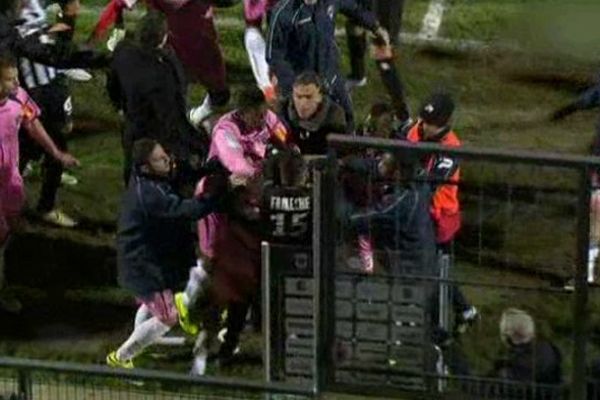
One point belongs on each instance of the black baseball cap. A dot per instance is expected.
(437, 109)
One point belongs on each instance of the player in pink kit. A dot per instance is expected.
(240, 141)
(16, 110)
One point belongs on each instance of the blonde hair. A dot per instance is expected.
(516, 326)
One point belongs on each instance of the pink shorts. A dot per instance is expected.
(162, 306)
(255, 11)
(12, 199)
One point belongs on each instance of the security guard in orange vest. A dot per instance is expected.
(444, 175)
(443, 171)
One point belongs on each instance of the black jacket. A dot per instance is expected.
(399, 223)
(60, 54)
(154, 242)
(311, 135)
(149, 86)
(302, 38)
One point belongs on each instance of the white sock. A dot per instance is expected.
(203, 111)
(147, 333)
(592, 257)
(257, 54)
(194, 284)
(143, 314)
(200, 354)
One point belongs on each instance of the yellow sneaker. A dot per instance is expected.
(113, 361)
(184, 316)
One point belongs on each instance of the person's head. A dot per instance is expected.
(396, 167)
(251, 107)
(292, 169)
(152, 30)
(381, 120)
(150, 158)
(516, 327)
(9, 76)
(435, 114)
(307, 94)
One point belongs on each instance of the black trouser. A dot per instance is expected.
(54, 101)
(236, 320)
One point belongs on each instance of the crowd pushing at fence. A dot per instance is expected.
(242, 176)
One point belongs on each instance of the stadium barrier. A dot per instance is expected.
(22, 379)
(331, 328)
(525, 237)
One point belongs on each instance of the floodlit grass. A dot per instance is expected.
(504, 99)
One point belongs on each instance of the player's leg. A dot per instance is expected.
(254, 13)
(12, 199)
(210, 72)
(164, 317)
(236, 319)
(594, 235)
(57, 121)
(389, 13)
(357, 50)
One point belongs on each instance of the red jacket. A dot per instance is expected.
(444, 172)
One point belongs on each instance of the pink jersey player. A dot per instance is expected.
(241, 152)
(17, 109)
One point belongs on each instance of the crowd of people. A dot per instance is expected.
(240, 176)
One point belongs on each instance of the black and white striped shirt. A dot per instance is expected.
(34, 19)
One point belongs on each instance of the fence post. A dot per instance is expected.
(323, 265)
(266, 312)
(580, 306)
(25, 384)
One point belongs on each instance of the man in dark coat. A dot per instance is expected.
(302, 38)
(147, 82)
(155, 246)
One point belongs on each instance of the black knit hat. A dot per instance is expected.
(437, 109)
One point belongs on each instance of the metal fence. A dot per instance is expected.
(334, 328)
(525, 239)
(41, 380)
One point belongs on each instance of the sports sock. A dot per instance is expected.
(143, 336)
(194, 284)
(143, 314)
(592, 257)
(257, 50)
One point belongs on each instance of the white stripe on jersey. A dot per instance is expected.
(34, 74)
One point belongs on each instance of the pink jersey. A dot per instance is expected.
(242, 153)
(256, 10)
(17, 109)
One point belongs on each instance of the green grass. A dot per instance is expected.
(499, 106)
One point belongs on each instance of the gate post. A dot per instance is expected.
(580, 306)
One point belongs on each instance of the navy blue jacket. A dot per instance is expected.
(302, 38)
(401, 225)
(154, 241)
